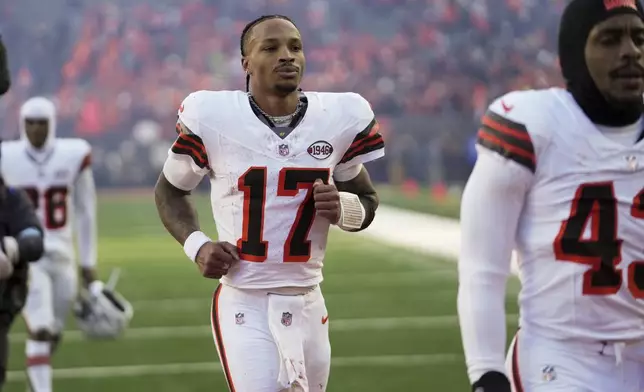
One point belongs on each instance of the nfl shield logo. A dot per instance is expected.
(283, 149)
(632, 162)
(549, 373)
(239, 318)
(287, 318)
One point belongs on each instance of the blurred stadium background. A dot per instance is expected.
(119, 69)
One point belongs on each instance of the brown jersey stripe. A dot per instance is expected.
(372, 129)
(509, 139)
(506, 125)
(500, 146)
(370, 132)
(192, 140)
(369, 145)
(198, 158)
(190, 144)
(514, 136)
(364, 142)
(357, 146)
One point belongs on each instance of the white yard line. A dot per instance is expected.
(210, 367)
(423, 232)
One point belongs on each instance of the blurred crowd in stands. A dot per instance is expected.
(118, 69)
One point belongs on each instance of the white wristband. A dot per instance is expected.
(193, 243)
(352, 212)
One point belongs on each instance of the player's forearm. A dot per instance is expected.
(490, 210)
(482, 318)
(483, 273)
(362, 186)
(175, 210)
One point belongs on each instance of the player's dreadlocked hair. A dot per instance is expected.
(249, 26)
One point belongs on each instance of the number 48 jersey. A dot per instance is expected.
(261, 183)
(581, 230)
(51, 181)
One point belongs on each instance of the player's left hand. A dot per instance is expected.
(327, 201)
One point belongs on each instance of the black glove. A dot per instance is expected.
(5, 79)
(492, 382)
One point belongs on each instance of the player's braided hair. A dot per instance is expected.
(249, 26)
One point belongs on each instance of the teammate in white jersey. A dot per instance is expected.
(283, 165)
(57, 175)
(560, 178)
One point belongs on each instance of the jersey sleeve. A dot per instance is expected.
(511, 127)
(367, 144)
(347, 173)
(187, 161)
(490, 212)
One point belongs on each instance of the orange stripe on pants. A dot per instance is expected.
(216, 328)
(516, 376)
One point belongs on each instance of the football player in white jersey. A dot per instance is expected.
(284, 165)
(57, 175)
(560, 178)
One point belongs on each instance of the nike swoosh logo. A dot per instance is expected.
(506, 108)
(325, 319)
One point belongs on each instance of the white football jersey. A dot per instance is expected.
(580, 232)
(261, 184)
(50, 185)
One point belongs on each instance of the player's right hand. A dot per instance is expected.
(6, 266)
(215, 258)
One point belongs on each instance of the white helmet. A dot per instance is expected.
(101, 312)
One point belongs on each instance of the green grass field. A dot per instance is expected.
(423, 201)
(392, 316)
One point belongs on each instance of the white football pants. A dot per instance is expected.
(271, 342)
(538, 364)
(51, 293)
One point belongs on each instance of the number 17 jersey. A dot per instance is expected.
(261, 182)
(580, 237)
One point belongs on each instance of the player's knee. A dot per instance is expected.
(42, 335)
